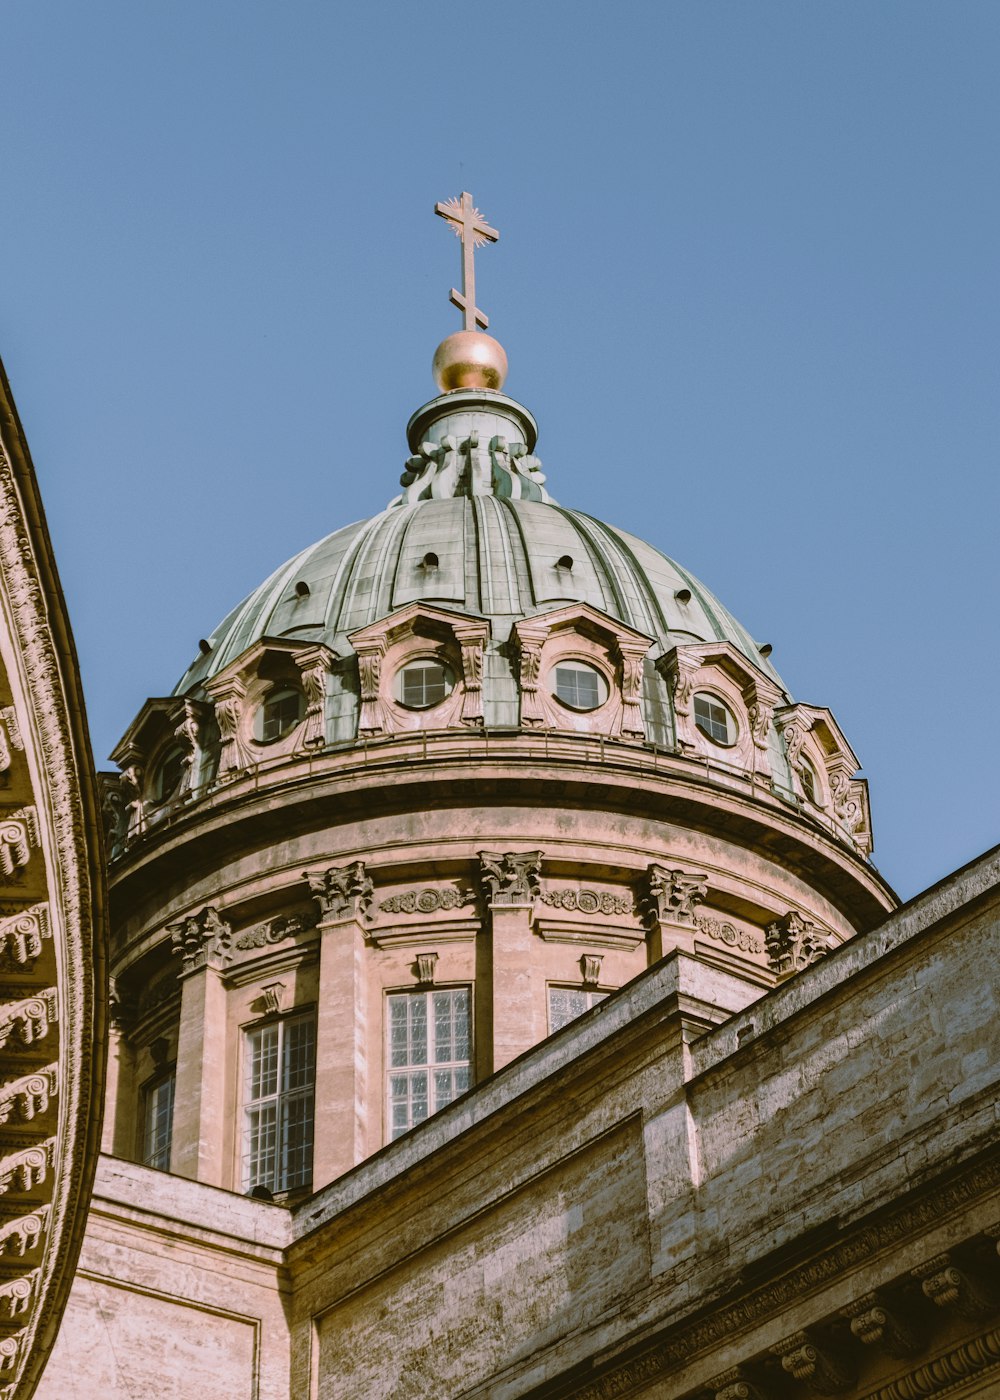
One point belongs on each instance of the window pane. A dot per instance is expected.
(159, 1114)
(580, 686)
(424, 683)
(426, 1029)
(278, 1104)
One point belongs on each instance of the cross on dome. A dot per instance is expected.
(474, 231)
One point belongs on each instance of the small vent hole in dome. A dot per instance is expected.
(765, 649)
(429, 561)
(205, 647)
(683, 595)
(566, 562)
(302, 589)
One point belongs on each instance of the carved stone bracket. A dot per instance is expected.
(27, 1169)
(952, 1288)
(471, 637)
(511, 877)
(793, 942)
(25, 1234)
(229, 695)
(530, 636)
(18, 835)
(29, 1097)
(631, 654)
(734, 1385)
(23, 936)
(426, 967)
(202, 940)
(680, 671)
(24, 1023)
(343, 892)
(874, 1323)
(804, 1359)
(672, 896)
(590, 969)
(122, 1007)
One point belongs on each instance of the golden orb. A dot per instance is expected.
(469, 360)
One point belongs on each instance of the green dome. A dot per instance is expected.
(474, 531)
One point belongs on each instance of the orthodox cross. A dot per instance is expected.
(473, 230)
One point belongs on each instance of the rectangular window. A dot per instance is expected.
(158, 1121)
(278, 1087)
(427, 1054)
(567, 1003)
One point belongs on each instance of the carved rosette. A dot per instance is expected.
(202, 940)
(510, 877)
(343, 892)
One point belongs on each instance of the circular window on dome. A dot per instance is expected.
(281, 711)
(169, 772)
(424, 683)
(715, 720)
(579, 686)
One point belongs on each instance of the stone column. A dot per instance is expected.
(517, 1010)
(344, 896)
(202, 1087)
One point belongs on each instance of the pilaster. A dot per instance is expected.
(517, 1009)
(201, 1091)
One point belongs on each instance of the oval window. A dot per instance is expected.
(421, 684)
(169, 773)
(278, 715)
(715, 720)
(579, 686)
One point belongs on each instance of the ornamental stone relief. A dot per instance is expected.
(727, 933)
(510, 877)
(673, 895)
(275, 931)
(793, 942)
(589, 901)
(202, 940)
(427, 901)
(343, 891)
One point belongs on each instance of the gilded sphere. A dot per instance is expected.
(469, 360)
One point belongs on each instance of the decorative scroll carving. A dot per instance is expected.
(733, 937)
(471, 637)
(272, 996)
(22, 937)
(806, 1361)
(275, 931)
(680, 671)
(850, 805)
(590, 968)
(344, 891)
(132, 799)
(26, 1022)
(529, 637)
(511, 877)
(25, 1234)
(10, 722)
(228, 694)
(24, 1170)
(314, 670)
(372, 719)
(18, 834)
(10, 1351)
(427, 901)
(673, 895)
(589, 901)
(29, 1097)
(187, 732)
(734, 1385)
(426, 965)
(793, 942)
(952, 1288)
(445, 469)
(16, 1295)
(874, 1323)
(202, 940)
(631, 654)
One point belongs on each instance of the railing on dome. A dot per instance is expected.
(479, 745)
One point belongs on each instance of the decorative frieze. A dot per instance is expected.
(23, 936)
(793, 942)
(427, 901)
(28, 1168)
(724, 932)
(24, 1023)
(343, 892)
(510, 877)
(29, 1097)
(274, 931)
(673, 895)
(202, 940)
(589, 901)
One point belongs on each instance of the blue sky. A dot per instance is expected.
(748, 281)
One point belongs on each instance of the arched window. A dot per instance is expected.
(715, 720)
